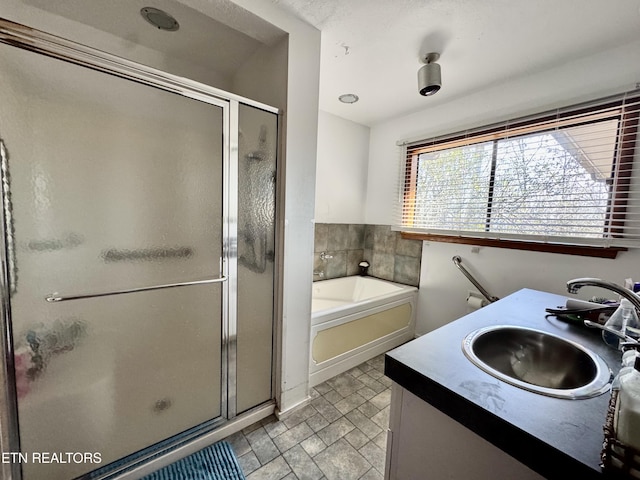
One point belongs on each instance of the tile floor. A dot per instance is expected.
(340, 435)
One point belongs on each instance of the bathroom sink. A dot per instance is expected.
(538, 361)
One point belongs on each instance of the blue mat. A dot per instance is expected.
(216, 462)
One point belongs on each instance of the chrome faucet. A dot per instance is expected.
(577, 283)
(325, 256)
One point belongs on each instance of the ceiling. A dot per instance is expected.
(373, 47)
(221, 44)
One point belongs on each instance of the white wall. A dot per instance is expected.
(341, 173)
(443, 289)
(263, 77)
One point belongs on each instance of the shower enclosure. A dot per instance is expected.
(138, 267)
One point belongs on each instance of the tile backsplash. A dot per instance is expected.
(345, 245)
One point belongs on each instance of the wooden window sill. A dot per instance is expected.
(582, 250)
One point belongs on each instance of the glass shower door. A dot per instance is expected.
(257, 153)
(115, 187)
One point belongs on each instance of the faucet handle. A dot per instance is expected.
(325, 256)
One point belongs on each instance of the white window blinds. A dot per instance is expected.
(565, 176)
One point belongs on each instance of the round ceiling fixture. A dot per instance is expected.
(159, 19)
(349, 98)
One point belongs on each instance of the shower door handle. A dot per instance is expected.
(56, 297)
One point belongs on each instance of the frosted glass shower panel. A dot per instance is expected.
(257, 150)
(114, 185)
(119, 374)
(118, 176)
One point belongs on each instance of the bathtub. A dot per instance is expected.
(354, 319)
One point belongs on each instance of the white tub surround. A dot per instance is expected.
(356, 318)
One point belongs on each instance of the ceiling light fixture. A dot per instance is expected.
(429, 80)
(159, 19)
(348, 98)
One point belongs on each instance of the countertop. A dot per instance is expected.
(558, 438)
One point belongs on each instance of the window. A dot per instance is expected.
(564, 177)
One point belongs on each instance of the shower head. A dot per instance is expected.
(159, 19)
(260, 154)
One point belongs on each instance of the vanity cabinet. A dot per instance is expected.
(451, 420)
(425, 444)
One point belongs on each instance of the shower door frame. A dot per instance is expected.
(26, 38)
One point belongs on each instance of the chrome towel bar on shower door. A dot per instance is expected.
(55, 297)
